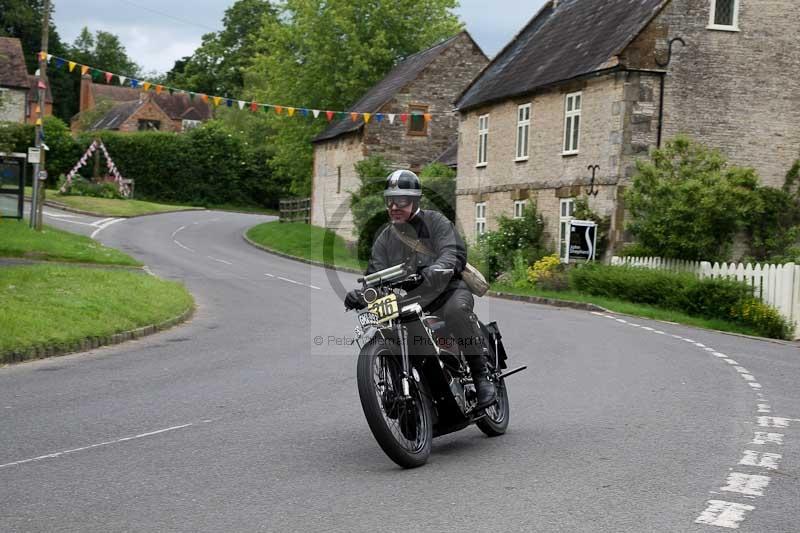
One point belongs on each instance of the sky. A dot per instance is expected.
(155, 33)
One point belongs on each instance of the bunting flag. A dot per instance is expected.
(330, 115)
(123, 185)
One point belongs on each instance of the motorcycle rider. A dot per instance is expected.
(442, 290)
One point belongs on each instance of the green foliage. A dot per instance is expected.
(15, 137)
(583, 212)
(686, 203)
(707, 298)
(64, 151)
(772, 224)
(80, 186)
(219, 65)
(367, 205)
(439, 189)
(325, 54)
(548, 273)
(102, 51)
(496, 249)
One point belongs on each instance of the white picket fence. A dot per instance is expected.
(775, 285)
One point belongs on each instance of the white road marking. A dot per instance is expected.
(761, 459)
(741, 370)
(748, 377)
(731, 362)
(747, 484)
(177, 230)
(74, 450)
(219, 260)
(764, 408)
(762, 437)
(724, 514)
(101, 221)
(699, 345)
(289, 280)
(147, 269)
(754, 385)
(621, 320)
(269, 275)
(55, 215)
(315, 287)
(105, 225)
(708, 349)
(646, 328)
(659, 332)
(182, 246)
(773, 422)
(719, 354)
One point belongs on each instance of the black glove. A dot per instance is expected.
(354, 300)
(436, 276)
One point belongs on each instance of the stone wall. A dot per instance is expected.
(330, 197)
(12, 106)
(738, 91)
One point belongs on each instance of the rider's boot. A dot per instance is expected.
(484, 387)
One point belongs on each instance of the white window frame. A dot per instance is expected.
(483, 140)
(480, 219)
(523, 132)
(712, 25)
(566, 212)
(572, 114)
(187, 124)
(519, 208)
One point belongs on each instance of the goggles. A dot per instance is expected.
(399, 201)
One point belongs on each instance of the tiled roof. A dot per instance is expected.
(178, 106)
(13, 72)
(450, 156)
(116, 115)
(564, 40)
(405, 72)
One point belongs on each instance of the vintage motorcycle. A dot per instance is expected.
(413, 380)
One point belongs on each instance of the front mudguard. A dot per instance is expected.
(369, 333)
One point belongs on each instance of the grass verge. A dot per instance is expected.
(628, 308)
(306, 242)
(51, 244)
(45, 305)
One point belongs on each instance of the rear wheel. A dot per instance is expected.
(402, 427)
(495, 422)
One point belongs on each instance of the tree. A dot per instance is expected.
(103, 51)
(325, 54)
(439, 189)
(687, 203)
(367, 204)
(218, 66)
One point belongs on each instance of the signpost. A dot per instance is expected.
(12, 185)
(582, 240)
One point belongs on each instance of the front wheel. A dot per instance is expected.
(495, 422)
(402, 427)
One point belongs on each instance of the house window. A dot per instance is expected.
(483, 139)
(187, 125)
(565, 214)
(519, 208)
(724, 15)
(417, 125)
(339, 180)
(572, 123)
(147, 124)
(480, 219)
(523, 131)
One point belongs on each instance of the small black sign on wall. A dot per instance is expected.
(12, 185)
(582, 240)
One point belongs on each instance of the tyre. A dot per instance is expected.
(495, 422)
(403, 428)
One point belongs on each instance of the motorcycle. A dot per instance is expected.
(413, 379)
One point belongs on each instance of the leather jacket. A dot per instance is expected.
(437, 234)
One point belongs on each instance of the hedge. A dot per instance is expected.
(706, 298)
(210, 165)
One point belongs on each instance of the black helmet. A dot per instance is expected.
(402, 183)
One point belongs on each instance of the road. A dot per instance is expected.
(247, 417)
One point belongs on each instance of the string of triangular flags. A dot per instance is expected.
(330, 115)
(122, 184)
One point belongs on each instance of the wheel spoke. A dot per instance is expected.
(409, 417)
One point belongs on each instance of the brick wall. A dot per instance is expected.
(149, 111)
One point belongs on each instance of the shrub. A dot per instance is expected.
(82, 187)
(544, 268)
(764, 319)
(707, 298)
(439, 189)
(498, 248)
(369, 211)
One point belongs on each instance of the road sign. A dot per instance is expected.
(42, 175)
(582, 240)
(34, 155)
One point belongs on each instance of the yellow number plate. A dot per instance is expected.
(385, 308)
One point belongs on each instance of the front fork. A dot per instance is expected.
(405, 360)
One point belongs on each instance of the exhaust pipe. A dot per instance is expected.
(512, 372)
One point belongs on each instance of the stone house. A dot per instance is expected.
(19, 91)
(134, 110)
(593, 82)
(424, 83)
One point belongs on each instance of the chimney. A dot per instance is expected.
(87, 96)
